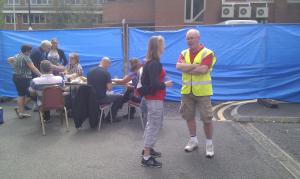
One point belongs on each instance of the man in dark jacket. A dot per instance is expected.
(100, 79)
(39, 54)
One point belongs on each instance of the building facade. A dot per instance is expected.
(52, 14)
(49, 14)
(187, 12)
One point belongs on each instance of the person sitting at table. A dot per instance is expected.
(131, 93)
(100, 79)
(74, 69)
(47, 79)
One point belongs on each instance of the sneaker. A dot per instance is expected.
(153, 153)
(210, 151)
(191, 145)
(151, 162)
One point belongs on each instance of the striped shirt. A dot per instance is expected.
(38, 84)
(75, 69)
(20, 66)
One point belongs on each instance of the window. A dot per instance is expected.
(11, 2)
(9, 19)
(99, 1)
(72, 1)
(40, 2)
(293, 1)
(35, 19)
(99, 19)
(194, 10)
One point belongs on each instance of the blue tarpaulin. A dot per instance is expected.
(90, 44)
(253, 61)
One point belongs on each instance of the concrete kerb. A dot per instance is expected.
(242, 118)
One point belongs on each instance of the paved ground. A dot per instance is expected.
(115, 151)
(286, 135)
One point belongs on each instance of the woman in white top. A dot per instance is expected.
(57, 57)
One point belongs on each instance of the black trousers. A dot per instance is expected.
(116, 101)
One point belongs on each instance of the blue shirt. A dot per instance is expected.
(37, 55)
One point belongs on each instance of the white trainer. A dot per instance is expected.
(191, 145)
(210, 151)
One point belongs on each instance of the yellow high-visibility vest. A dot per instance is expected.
(199, 85)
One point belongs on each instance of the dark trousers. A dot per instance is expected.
(46, 115)
(116, 101)
(129, 95)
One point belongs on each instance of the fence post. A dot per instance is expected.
(125, 45)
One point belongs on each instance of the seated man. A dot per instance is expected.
(100, 79)
(45, 80)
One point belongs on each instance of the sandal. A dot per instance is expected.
(24, 115)
(17, 112)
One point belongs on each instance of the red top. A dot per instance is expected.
(159, 95)
(206, 61)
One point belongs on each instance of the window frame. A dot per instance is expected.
(33, 17)
(12, 18)
(16, 3)
(193, 18)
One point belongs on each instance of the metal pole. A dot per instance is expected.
(29, 15)
(125, 45)
(14, 12)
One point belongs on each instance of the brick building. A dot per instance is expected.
(79, 13)
(186, 12)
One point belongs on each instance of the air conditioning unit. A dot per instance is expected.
(244, 12)
(262, 12)
(227, 11)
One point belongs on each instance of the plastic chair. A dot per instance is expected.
(52, 99)
(137, 107)
(102, 108)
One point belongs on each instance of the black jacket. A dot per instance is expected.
(62, 57)
(85, 106)
(151, 78)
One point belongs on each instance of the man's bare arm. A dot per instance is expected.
(34, 69)
(109, 86)
(200, 69)
(186, 68)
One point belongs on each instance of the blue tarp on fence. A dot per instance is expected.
(90, 44)
(253, 61)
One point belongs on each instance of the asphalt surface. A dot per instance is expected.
(285, 135)
(283, 110)
(115, 151)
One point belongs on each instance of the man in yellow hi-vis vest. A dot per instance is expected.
(196, 64)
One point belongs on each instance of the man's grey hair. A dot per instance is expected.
(105, 59)
(46, 43)
(46, 66)
(193, 31)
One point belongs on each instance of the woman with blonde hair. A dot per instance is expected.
(154, 91)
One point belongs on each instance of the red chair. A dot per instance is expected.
(52, 99)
